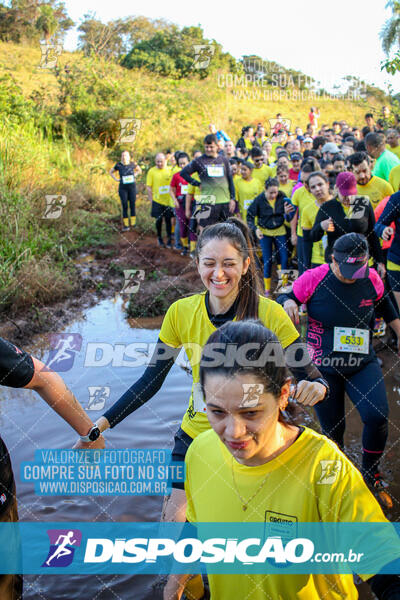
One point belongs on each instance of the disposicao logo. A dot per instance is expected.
(62, 547)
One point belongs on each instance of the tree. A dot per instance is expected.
(179, 53)
(115, 38)
(47, 23)
(390, 34)
(26, 20)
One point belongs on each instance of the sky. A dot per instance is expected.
(324, 39)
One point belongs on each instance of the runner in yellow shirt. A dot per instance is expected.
(261, 171)
(394, 178)
(286, 185)
(257, 465)
(227, 268)
(314, 253)
(157, 182)
(246, 188)
(367, 184)
(301, 198)
(392, 138)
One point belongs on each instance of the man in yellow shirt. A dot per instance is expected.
(261, 171)
(394, 178)
(301, 198)
(367, 184)
(392, 138)
(247, 188)
(157, 183)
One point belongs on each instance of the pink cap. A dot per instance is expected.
(346, 183)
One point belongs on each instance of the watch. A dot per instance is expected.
(92, 435)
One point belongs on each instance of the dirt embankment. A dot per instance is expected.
(162, 276)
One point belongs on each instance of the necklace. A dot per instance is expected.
(244, 502)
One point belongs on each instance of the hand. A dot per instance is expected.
(309, 393)
(98, 444)
(327, 224)
(293, 239)
(232, 206)
(259, 233)
(387, 233)
(292, 310)
(380, 267)
(288, 208)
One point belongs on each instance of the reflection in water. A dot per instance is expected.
(28, 424)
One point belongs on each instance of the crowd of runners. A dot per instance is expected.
(312, 217)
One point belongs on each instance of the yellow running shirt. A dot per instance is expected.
(298, 488)
(394, 178)
(159, 180)
(376, 189)
(302, 198)
(287, 188)
(273, 232)
(186, 324)
(307, 222)
(262, 174)
(395, 151)
(245, 192)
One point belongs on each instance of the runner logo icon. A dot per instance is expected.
(62, 353)
(62, 547)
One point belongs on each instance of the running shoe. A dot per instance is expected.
(379, 486)
(169, 244)
(185, 252)
(192, 255)
(125, 228)
(161, 243)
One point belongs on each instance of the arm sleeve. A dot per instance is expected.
(252, 213)
(16, 366)
(230, 179)
(372, 237)
(187, 171)
(307, 247)
(385, 587)
(317, 232)
(147, 386)
(297, 352)
(390, 213)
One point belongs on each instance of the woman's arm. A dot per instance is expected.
(137, 171)
(111, 172)
(52, 388)
(142, 390)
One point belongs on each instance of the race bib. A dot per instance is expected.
(347, 339)
(128, 179)
(215, 171)
(184, 189)
(198, 399)
(247, 203)
(163, 189)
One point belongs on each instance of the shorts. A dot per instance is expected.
(394, 280)
(208, 214)
(182, 442)
(161, 210)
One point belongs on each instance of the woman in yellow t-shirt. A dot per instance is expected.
(226, 265)
(257, 466)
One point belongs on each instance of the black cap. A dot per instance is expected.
(296, 156)
(351, 253)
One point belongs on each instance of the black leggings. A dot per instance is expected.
(127, 193)
(366, 390)
(168, 226)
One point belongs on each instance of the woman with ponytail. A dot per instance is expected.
(226, 265)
